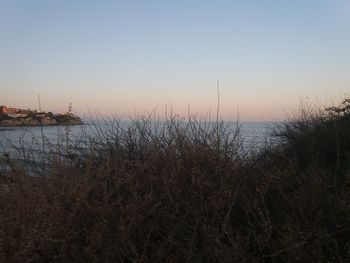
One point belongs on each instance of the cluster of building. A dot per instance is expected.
(21, 117)
(13, 112)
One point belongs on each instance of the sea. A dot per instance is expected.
(16, 139)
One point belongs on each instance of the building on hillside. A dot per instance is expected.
(22, 111)
(3, 109)
(17, 115)
(13, 112)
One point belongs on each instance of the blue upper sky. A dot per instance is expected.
(125, 56)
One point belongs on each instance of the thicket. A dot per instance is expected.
(184, 191)
(3, 116)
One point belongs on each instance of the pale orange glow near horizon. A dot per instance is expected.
(248, 104)
(125, 59)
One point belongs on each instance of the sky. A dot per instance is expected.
(131, 57)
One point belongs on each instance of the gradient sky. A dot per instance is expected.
(129, 56)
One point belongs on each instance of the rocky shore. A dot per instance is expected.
(44, 121)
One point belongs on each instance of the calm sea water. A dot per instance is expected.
(17, 137)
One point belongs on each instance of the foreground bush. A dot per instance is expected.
(181, 191)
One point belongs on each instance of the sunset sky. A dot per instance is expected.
(123, 57)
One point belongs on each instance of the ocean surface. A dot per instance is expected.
(14, 138)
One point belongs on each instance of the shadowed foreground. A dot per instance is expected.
(185, 191)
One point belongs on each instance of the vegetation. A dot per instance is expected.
(3, 116)
(178, 191)
(21, 117)
(38, 119)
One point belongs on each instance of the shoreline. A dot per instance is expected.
(34, 122)
(9, 127)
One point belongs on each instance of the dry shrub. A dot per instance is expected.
(173, 191)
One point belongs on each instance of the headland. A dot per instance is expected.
(27, 117)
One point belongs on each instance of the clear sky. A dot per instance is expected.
(126, 56)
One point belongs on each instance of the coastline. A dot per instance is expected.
(32, 122)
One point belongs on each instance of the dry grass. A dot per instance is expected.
(181, 191)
